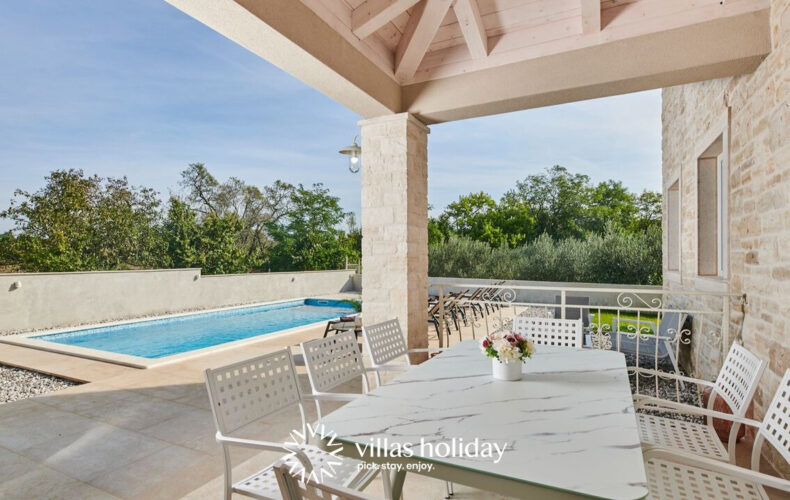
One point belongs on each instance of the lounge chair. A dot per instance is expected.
(660, 344)
(342, 324)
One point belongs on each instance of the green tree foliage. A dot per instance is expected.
(306, 237)
(558, 199)
(616, 256)
(254, 208)
(554, 203)
(77, 222)
(555, 226)
(479, 217)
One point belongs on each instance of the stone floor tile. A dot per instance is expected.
(102, 447)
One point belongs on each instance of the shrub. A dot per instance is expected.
(616, 256)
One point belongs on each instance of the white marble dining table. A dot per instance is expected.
(567, 428)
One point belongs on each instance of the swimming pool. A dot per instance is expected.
(168, 336)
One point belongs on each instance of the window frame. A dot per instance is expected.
(720, 128)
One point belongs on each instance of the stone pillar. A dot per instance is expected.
(395, 224)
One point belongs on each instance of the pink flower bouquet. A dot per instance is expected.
(507, 346)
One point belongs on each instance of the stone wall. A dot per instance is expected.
(51, 300)
(394, 223)
(757, 107)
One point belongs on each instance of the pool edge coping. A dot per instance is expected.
(27, 339)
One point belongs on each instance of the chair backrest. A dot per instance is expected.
(671, 324)
(243, 392)
(738, 378)
(582, 313)
(776, 424)
(549, 331)
(314, 487)
(332, 361)
(384, 342)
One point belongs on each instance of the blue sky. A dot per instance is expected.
(138, 88)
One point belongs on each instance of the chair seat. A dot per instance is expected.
(348, 473)
(670, 480)
(695, 438)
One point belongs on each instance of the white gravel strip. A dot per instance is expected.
(16, 384)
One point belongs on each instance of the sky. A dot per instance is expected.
(139, 89)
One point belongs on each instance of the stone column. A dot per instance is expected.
(395, 224)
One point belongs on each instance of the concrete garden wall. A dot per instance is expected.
(51, 300)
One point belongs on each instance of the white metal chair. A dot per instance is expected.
(681, 475)
(736, 384)
(312, 488)
(331, 362)
(243, 393)
(384, 343)
(550, 331)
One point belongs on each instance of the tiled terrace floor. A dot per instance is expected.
(139, 433)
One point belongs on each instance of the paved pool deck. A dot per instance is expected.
(140, 434)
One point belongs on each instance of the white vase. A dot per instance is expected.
(509, 370)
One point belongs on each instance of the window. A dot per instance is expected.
(673, 227)
(712, 210)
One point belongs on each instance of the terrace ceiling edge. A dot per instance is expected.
(634, 46)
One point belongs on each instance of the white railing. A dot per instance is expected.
(654, 327)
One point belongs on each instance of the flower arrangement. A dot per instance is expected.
(507, 347)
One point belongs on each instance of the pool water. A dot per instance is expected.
(173, 335)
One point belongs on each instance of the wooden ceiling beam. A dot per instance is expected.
(591, 16)
(472, 28)
(420, 32)
(372, 15)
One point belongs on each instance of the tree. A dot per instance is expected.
(307, 237)
(648, 206)
(609, 203)
(253, 207)
(558, 200)
(9, 259)
(217, 250)
(209, 243)
(80, 223)
(183, 234)
(479, 217)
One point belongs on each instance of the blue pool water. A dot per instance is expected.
(167, 336)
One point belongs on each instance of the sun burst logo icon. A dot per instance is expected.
(325, 465)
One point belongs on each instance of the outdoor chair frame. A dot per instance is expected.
(677, 474)
(736, 384)
(244, 392)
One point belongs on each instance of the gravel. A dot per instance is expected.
(665, 389)
(16, 384)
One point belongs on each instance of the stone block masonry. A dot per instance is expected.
(757, 107)
(395, 223)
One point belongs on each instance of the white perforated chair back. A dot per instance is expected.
(548, 331)
(776, 424)
(738, 378)
(331, 361)
(243, 392)
(384, 342)
(314, 487)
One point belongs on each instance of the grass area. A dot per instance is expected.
(608, 315)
